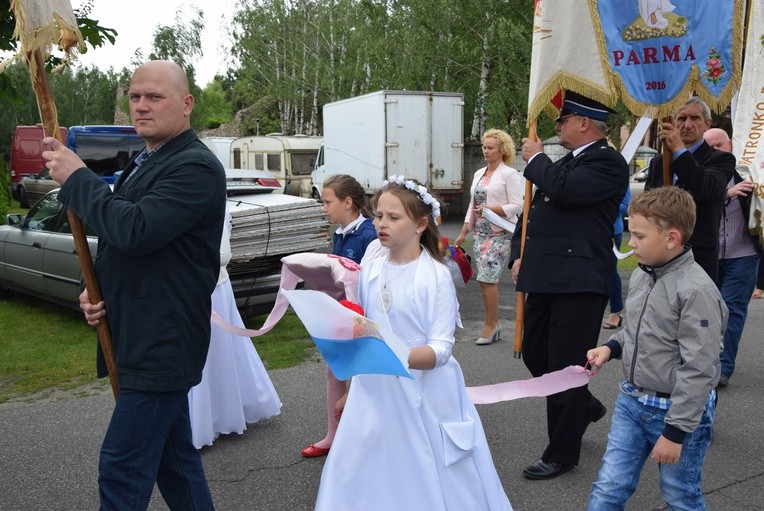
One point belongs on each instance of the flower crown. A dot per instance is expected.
(424, 195)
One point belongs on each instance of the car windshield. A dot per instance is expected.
(105, 154)
(50, 215)
(45, 215)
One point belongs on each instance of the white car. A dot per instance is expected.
(241, 181)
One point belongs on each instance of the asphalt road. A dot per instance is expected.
(49, 448)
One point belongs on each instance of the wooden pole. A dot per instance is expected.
(81, 247)
(667, 179)
(520, 310)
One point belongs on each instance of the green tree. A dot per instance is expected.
(182, 44)
(261, 43)
(19, 108)
(93, 34)
(18, 105)
(84, 96)
(5, 190)
(305, 53)
(212, 106)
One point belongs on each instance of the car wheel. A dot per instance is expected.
(22, 195)
(316, 195)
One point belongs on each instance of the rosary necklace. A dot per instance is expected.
(385, 298)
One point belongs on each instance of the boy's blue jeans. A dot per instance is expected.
(633, 432)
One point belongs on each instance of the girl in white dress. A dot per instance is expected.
(408, 444)
(235, 389)
(344, 204)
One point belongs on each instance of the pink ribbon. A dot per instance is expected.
(288, 282)
(545, 385)
(334, 275)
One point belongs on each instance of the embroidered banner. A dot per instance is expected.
(748, 114)
(651, 54)
(565, 56)
(660, 51)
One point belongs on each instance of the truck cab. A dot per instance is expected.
(105, 149)
(26, 153)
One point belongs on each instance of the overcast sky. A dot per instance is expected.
(136, 20)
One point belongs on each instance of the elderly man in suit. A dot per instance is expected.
(566, 266)
(702, 171)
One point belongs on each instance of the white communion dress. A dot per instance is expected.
(406, 444)
(235, 389)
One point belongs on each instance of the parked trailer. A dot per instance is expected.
(289, 158)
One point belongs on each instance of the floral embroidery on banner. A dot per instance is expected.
(714, 67)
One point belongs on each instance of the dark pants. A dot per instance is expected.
(559, 330)
(708, 259)
(148, 440)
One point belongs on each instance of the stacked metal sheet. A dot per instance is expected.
(266, 225)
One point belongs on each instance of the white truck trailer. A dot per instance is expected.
(220, 147)
(411, 133)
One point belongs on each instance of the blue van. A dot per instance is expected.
(104, 149)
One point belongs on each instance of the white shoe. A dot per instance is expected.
(495, 336)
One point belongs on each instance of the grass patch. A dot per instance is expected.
(629, 264)
(14, 207)
(287, 345)
(46, 346)
(43, 346)
(10, 207)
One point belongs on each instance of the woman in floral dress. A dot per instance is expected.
(499, 188)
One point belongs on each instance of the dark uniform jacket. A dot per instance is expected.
(704, 174)
(158, 260)
(569, 235)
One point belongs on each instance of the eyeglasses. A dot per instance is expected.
(563, 117)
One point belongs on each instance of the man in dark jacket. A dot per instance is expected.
(702, 171)
(157, 265)
(566, 267)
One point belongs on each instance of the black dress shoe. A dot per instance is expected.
(595, 415)
(543, 470)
